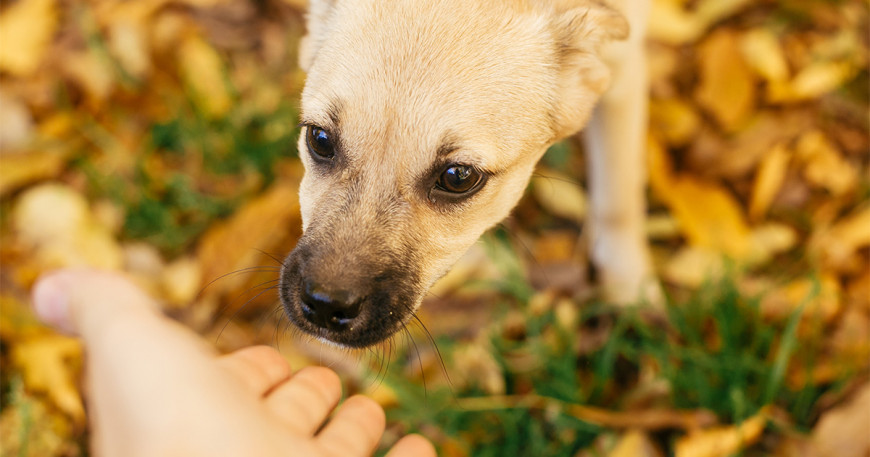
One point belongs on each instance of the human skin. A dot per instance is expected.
(156, 389)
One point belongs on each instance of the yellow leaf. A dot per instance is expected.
(768, 180)
(692, 266)
(709, 216)
(824, 166)
(842, 431)
(16, 123)
(764, 55)
(559, 194)
(722, 441)
(671, 24)
(204, 72)
(837, 244)
(49, 364)
(820, 78)
(675, 119)
(634, 443)
(22, 169)
(181, 281)
(769, 240)
(727, 88)
(820, 298)
(26, 30)
(92, 73)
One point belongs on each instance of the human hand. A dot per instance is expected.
(156, 389)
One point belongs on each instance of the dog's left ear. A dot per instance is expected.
(316, 23)
(580, 32)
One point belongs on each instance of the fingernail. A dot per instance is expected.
(51, 301)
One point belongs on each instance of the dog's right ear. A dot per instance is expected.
(580, 32)
(316, 22)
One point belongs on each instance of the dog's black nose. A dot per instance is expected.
(334, 309)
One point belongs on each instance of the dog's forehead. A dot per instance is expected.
(405, 75)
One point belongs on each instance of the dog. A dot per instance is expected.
(422, 122)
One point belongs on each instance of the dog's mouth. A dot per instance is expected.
(356, 313)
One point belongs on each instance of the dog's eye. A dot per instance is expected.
(458, 179)
(319, 142)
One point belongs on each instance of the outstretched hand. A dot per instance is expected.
(156, 389)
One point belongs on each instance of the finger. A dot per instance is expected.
(355, 429)
(260, 368)
(80, 301)
(304, 402)
(412, 446)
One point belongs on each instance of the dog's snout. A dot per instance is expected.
(333, 309)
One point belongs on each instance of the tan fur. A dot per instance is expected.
(496, 81)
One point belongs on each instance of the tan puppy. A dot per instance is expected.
(423, 121)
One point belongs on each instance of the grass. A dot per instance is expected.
(715, 352)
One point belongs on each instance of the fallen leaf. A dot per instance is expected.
(22, 169)
(675, 120)
(811, 82)
(722, 441)
(26, 30)
(727, 87)
(693, 266)
(474, 365)
(634, 443)
(204, 72)
(842, 431)
(837, 245)
(764, 55)
(16, 124)
(232, 245)
(30, 426)
(181, 281)
(559, 194)
(709, 216)
(91, 72)
(824, 166)
(768, 180)
(48, 364)
(819, 297)
(769, 240)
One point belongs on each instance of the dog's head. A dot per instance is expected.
(423, 121)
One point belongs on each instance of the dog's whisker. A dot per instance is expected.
(271, 256)
(254, 269)
(241, 308)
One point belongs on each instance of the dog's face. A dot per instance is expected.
(423, 121)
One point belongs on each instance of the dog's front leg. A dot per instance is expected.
(616, 156)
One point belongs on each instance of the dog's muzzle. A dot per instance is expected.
(345, 303)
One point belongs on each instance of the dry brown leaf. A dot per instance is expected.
(843, 431)
(722, 441)
(474, 365)
(727, 88)
(204, 72)
(232, 245)
(768, 180)
(559, 194)
(26, 29)
(764, 55)
(634, 443)
(49, 364)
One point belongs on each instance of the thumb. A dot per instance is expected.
(80, 301)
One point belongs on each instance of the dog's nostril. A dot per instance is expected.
(334, 309)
